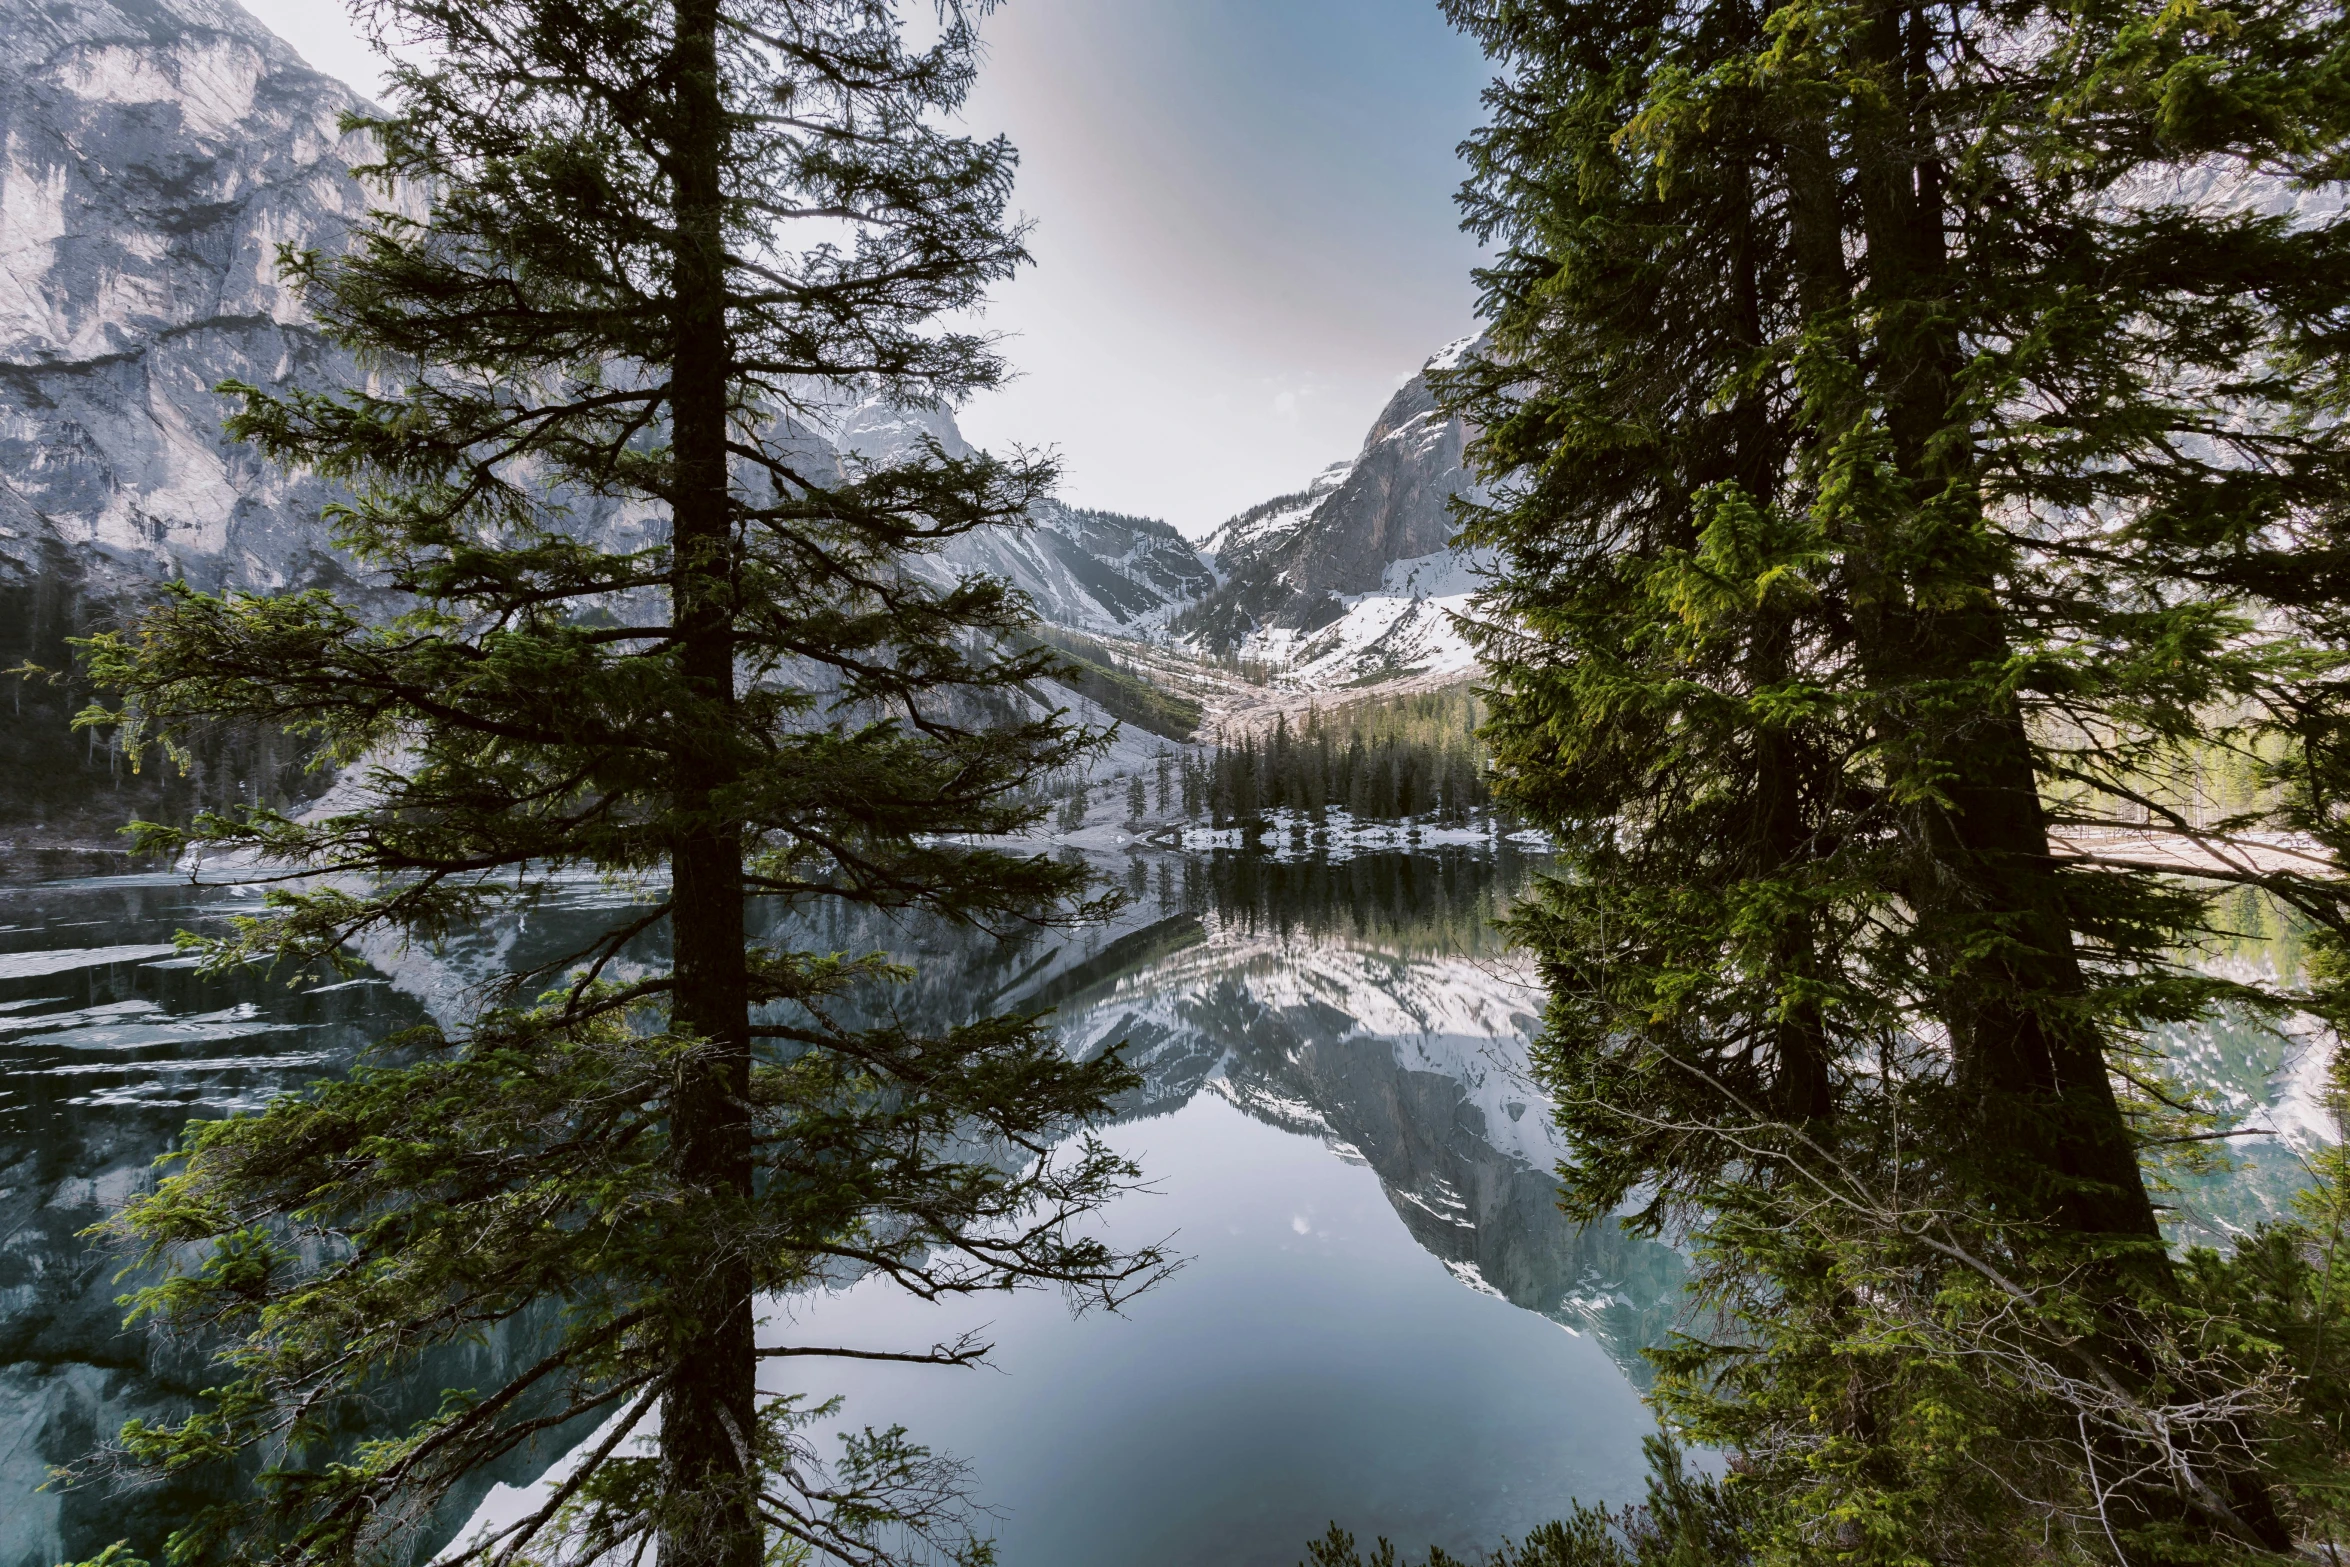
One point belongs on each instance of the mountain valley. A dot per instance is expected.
(154, 157)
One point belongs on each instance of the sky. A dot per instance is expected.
(1245, 238)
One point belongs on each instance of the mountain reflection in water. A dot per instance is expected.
(1334, 1094)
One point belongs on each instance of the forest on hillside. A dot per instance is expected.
(1410, 758)
(1389, 759)
(1906, 447)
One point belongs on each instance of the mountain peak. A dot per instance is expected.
(28, 27)
(1297, 563)
(881, 432)
(154, 154)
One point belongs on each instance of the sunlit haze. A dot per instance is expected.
(1245, 235)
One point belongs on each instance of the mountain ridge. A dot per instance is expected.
(1334, 583)
(154, 156)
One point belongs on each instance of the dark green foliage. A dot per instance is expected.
(650, 633)
(1381, 759)
(1426, 903)
(1094, 670)
(1898, 464)
(406, 1177)
(2285, 1289)
(1689, 1520)
(59, 788)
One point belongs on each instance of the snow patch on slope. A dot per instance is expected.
(1379, 637)
(1271, 524)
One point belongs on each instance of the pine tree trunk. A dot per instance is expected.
(709, 1414)
(1989, 848)
(1801, 1089)
(2039, 1078)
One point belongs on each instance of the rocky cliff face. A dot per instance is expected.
(154, 154)
(1096, 571)
(1300, 563)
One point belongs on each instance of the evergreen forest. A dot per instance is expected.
(1094, 670)
(1914, 455)
(1386, 759)
(1909, 445)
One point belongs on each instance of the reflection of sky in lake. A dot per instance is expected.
(1330, 1122)
(1383, 1318)
(1373, 1325)
(1311, 1362)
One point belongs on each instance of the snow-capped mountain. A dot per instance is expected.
(1353, 578)
(154, 156)
(1094, 571)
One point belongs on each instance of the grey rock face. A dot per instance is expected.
(1285, 563)
(1094, 571)
(1391, 505)
(154, 154)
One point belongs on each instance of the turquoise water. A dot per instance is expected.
(1382, 1318)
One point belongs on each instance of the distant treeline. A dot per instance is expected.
(1092, 670)
(1392, 759)
(1433, 902)
(62, 789)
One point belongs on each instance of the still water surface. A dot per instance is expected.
(1383, 1318)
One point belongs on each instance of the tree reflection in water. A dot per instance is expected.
(1366, 1003)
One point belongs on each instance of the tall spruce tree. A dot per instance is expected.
(632, 252)
(1913, 441)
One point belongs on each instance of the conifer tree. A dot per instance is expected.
(632, 253)
(1912, 437)
(1404, 756)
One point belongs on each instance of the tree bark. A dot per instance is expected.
(1988, 857)
(710, 1476)
(2037, 1077)
(1800, 1084)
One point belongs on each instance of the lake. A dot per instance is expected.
(1383, 1319)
